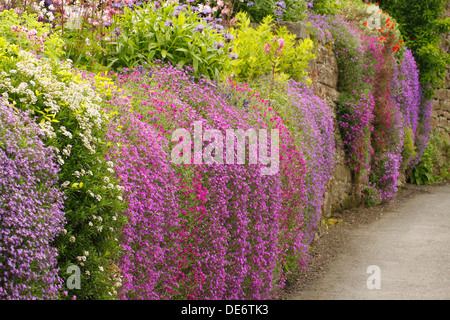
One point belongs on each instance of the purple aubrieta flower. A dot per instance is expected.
(200, 27)
(207, 10)
(228, 37)
(281, 4)
(218, 45)
(168, 23)
(250, 4)
(190, 1)
(118, 5)
(233, 56)
(31, 210)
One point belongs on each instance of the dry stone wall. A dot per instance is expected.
(440, 116)
(341, 193)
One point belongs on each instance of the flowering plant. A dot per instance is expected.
(172, 33)
(31, 210)
(69, 114)
(262, 51)
(29, 34)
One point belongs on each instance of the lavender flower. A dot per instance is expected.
(30, 210)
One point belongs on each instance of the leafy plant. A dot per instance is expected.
(288, 10)
(328, 7)
(421, 25)
(409, 149)
(168, 33)
(370, 196)
(28, 34)
(433, 166)
(263, 51)
(69, 114)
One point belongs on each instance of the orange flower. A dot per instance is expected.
(366, 24)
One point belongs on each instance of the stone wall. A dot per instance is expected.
(440, 117)
(441, 102)
(341, 193)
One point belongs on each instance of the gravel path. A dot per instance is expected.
(401, 252)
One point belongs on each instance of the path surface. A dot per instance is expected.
(411, 247)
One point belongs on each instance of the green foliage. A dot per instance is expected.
(295, 10)
(52, 44)
(145, 35)
(434, 164)
(423, 172)
(328, 7)
(371, 196)
(265, 51)
(421, 25)
(409, 149)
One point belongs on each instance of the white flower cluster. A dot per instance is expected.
(43, 12)
(75, 94)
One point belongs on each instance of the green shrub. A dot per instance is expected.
(409, 149)
(263, 51)
(30, 35)
(179, 37)
(421, 26)
(288, 10)
(434, 164)
(371, 196)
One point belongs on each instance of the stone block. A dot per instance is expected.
(441, 94)
(445, 105)
(297, 28)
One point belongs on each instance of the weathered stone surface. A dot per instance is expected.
(445, 105)
(297, 28)
(441, 94)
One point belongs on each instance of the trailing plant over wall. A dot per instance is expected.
(212, 236)
(70, 115)
(31, 210)
(140, 225)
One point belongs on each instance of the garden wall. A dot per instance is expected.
(341, 193)
(441, 103)
(440, 116)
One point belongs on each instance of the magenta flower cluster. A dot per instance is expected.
(205, 231)
(31, 210)
(376, 105)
